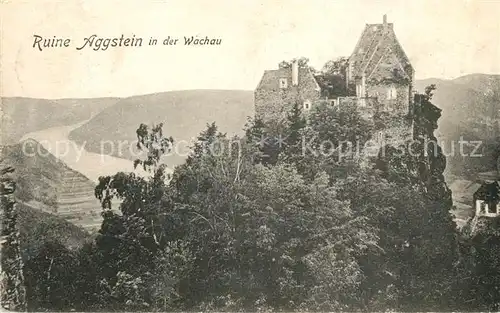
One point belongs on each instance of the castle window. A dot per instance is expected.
(307, 105)
(487, 209)
(283, 83)
(491, 210)
(392, 93)
(380, 136)
(481, 207)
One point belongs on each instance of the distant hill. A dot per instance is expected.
(470, 106)
(184, 114)
(19, 116)
(47, 184)
(471, 110)
(469, 103)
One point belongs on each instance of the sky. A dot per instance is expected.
(443, 39)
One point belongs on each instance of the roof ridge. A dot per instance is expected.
(372, 44)
(314, 78)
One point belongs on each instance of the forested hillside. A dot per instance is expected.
(267, 227)
(247, 224)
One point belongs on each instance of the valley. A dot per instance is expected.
(90, 127)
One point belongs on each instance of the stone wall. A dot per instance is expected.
(391, 129)
(400, 103)
(273, 102)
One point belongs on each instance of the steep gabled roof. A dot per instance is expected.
(270, 79)
(488, 191)
(378, 41)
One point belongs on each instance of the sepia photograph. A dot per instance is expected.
(250, 156)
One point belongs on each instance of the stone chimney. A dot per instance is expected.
(295, 73)
(385, 21)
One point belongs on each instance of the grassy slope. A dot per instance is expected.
(184, 114)
(42, 181)
(20, 116)
(36, 227)
(38, 176)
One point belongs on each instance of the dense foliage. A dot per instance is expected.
(257, 223)
(12, 282)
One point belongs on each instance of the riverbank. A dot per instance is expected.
(56, 141)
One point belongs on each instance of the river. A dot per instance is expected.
(56, 141)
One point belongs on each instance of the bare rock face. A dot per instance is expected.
(411, 151)
(425, 123)
(12, 278)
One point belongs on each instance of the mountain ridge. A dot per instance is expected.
(184, 115)
(464, 100)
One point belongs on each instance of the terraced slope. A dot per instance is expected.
(48, 184)
(76, 201)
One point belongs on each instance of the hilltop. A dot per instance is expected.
(184, 114)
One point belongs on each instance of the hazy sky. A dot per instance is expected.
(443, 38)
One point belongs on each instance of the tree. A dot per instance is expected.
(481, 275)
(333, 78)
(429, 91)
(261, 235)
(251, 224)
(417, 240)
(302, 62)
(330, 141)
(129, 244)
(13, 289)
(411, 218)
(50, 278)
(416, 168)
(336, 67)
